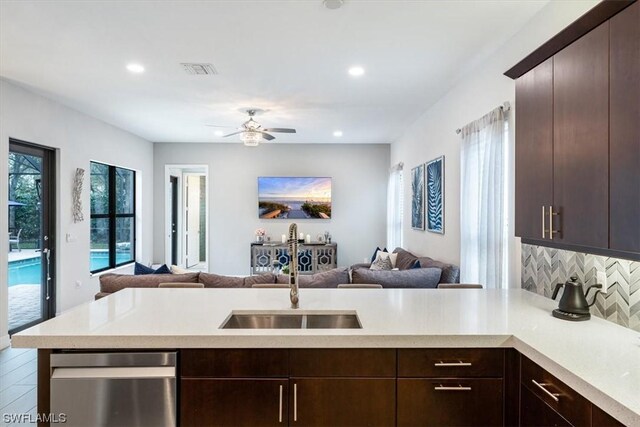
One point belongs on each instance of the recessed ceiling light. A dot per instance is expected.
(337, 133)
(219, 133)
(333, 4)
(135, 68)
(356, 71)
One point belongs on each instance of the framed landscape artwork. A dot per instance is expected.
(290, 197)
(435, 195)
(417, 198)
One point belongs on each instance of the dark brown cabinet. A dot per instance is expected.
(536, 413)
(624, 134)
(450, 402)
(580, 140)
(578, 137)
(342, 402)
(450, 387)
(534, 151)
(376, 387)
(234, 402)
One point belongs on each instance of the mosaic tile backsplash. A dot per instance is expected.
(543, 267)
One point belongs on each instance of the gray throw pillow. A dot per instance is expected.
(414, 278)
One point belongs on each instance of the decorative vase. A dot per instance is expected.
(260, 239)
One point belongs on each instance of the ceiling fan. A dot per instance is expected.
(252, 132)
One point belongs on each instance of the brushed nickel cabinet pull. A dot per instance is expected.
(280, 406)
(542, 386)
(544, 228)
(551, 230)
(450, 364)
(295, 402)
(450, 388)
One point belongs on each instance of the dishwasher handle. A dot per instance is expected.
(114, 373)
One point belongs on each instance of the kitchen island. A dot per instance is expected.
(597, 359)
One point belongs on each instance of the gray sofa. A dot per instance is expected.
(430, 274)
(405, 262)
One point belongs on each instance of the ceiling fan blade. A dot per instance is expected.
(234, 133)
(267, 136)
(281, 130)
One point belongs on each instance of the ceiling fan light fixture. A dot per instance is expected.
(250, 138)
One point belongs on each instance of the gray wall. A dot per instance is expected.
(359, 192)
(78, 139)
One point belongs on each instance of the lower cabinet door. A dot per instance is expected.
(234, 402)
(536, 413)
(338, 402)
(450, 402)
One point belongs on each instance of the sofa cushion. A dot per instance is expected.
(114, 282)
(406, 260)
(211, 280)
(326, 279)
(450, 272)
(413, 278)
(261, 279)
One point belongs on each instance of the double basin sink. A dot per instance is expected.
(292, 320)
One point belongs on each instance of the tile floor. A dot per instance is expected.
(18, 367)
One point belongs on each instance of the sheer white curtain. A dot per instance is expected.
(395, 203)
(482, 206)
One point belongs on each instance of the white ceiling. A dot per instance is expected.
(288, 57)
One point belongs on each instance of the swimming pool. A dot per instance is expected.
(28, 271)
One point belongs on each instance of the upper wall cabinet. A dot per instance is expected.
(578, 135)
(534, 150)
(624, 136)
(580, 141)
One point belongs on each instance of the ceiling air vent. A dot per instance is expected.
(199, 69)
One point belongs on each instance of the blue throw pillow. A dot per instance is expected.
(163, 269)
(375, 253)
(141, 270)
(416, 264)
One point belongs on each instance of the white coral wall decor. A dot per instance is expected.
(77, 195)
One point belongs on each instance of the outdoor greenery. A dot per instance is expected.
(314, 210)
(24, 187)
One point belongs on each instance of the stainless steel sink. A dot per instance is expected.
(288, 320)
(333, 321)
(263, 321)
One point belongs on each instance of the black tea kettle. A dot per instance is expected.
(573, 304)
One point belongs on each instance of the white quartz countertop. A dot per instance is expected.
(599, 359)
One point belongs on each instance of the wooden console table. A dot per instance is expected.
(312, 257)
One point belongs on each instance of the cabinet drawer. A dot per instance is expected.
(343, 362)
(234, 402)
(563, 399)
(234, 363)
(450, 402)
(535, 413)
(451, 362)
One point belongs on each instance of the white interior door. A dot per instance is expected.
(192, 231)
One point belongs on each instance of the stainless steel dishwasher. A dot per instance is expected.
(115, 389)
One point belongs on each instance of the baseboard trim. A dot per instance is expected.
(5, 342)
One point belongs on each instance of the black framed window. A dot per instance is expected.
(113, 217)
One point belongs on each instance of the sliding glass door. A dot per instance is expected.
(31, 235)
